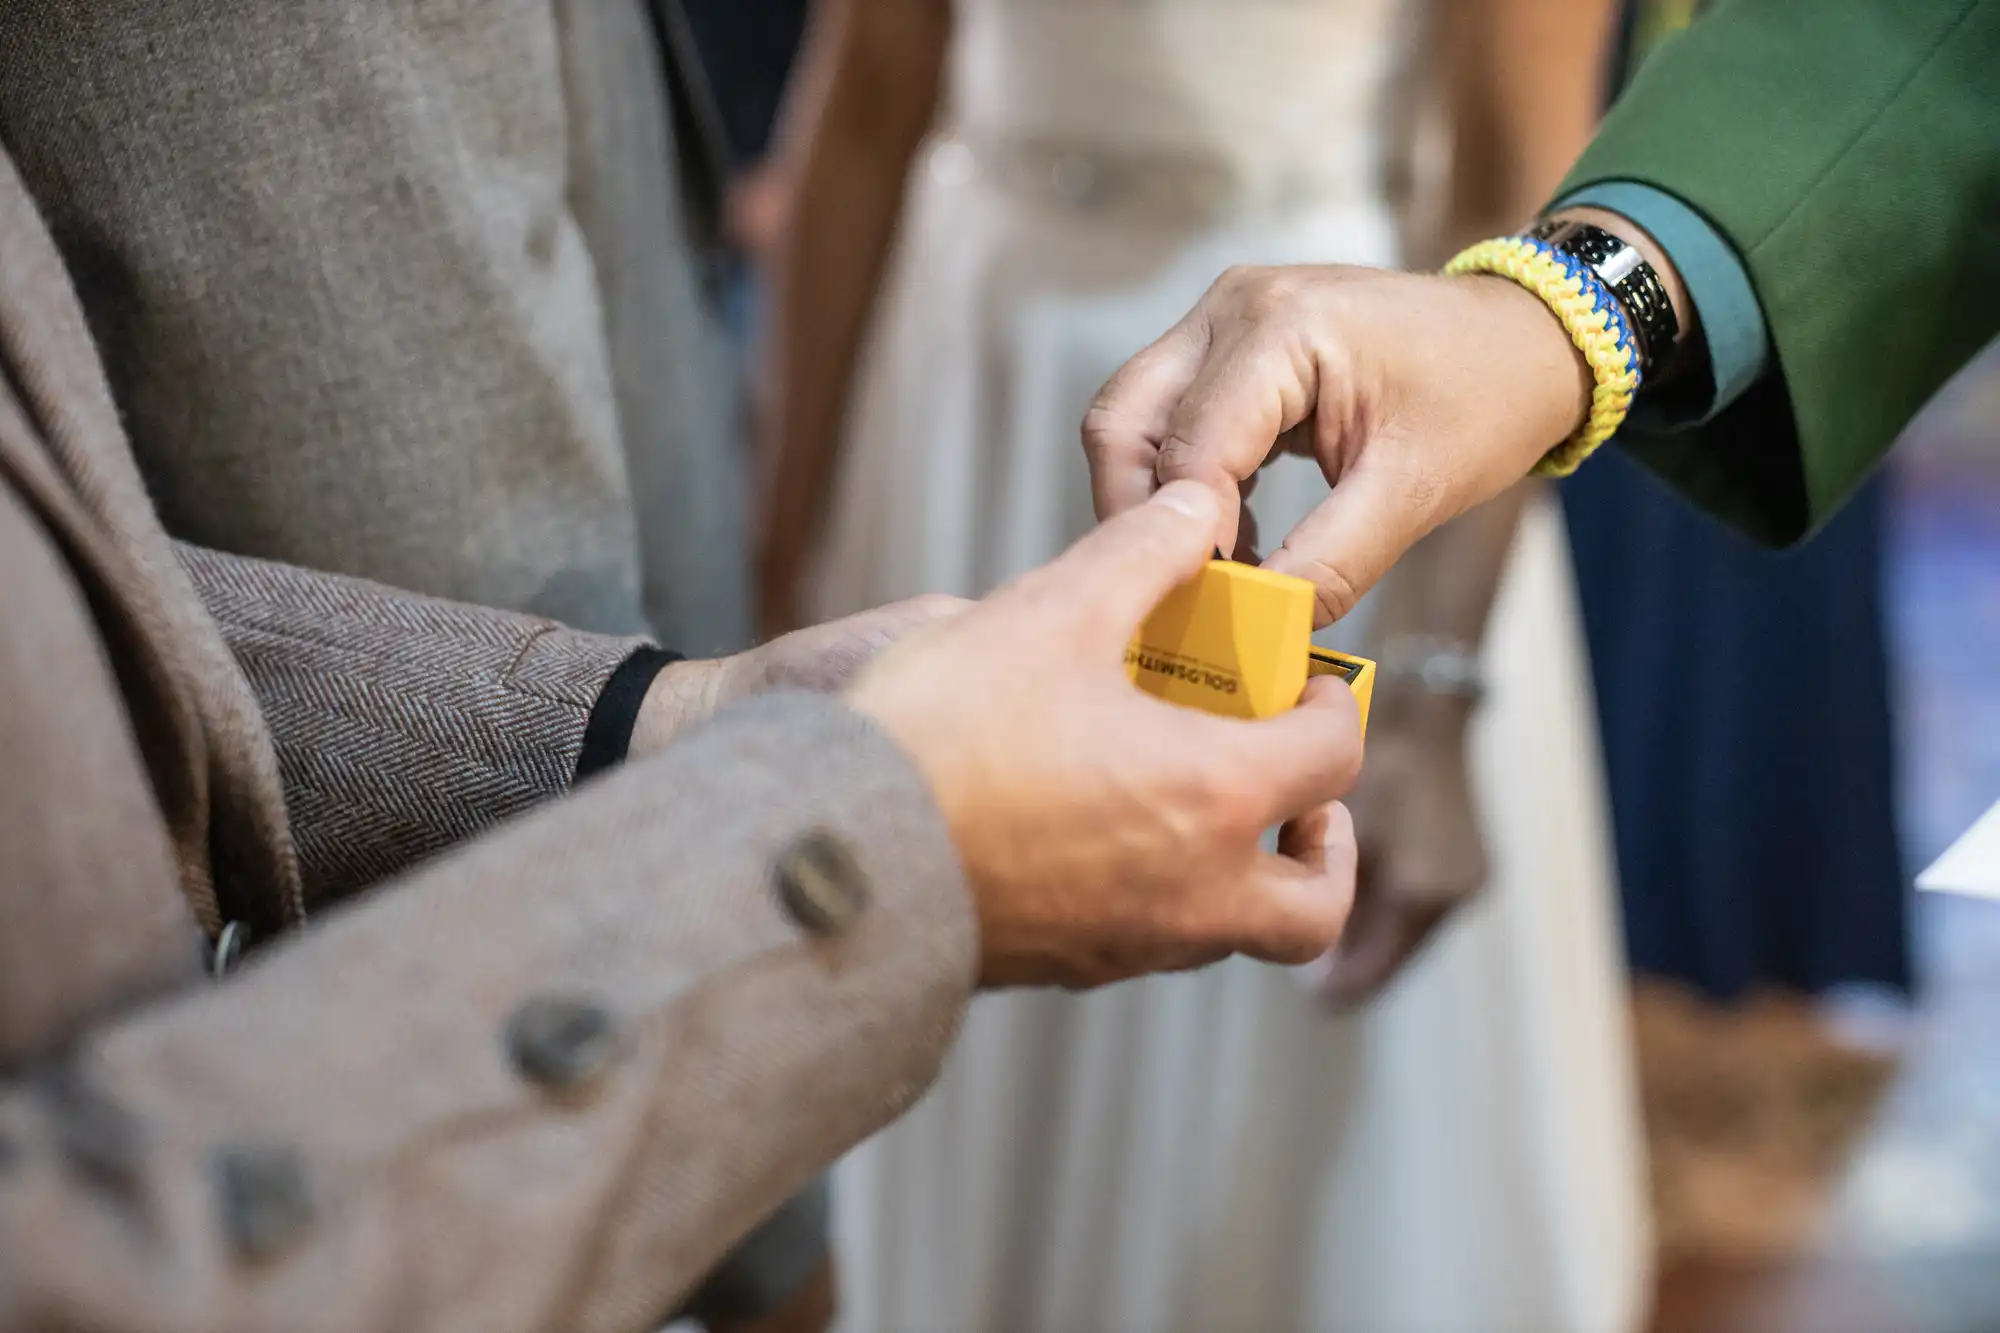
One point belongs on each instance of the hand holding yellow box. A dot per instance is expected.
(1237, 640)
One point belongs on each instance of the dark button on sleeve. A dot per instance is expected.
(561, 1042)
(820, 883)
(263, 1195)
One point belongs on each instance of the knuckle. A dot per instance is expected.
(1194, 808)
(1276, 295)
(1100, 431)
(1224, 801)
(1195, 790)
(1237, 279)
(937, 605)
(1181, 803)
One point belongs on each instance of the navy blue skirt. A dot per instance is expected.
(1744, 703)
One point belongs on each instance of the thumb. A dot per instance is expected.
(1117, 574)
(1350, 540)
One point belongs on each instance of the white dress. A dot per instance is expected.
(1214, 1153)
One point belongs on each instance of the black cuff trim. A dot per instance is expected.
(608, 735)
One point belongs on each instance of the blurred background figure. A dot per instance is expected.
(1216, 1152)
(748, 49)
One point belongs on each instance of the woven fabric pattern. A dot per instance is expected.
(403, 724)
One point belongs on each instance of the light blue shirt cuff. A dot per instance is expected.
(1732, 323)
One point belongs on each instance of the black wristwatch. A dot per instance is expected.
(1631, 279)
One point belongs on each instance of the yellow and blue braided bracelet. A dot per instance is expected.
(1590, 314)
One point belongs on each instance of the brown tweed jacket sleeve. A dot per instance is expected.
(542, 1085)
(403, 724)
(540, 1082)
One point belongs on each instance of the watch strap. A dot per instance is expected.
(1633, 281)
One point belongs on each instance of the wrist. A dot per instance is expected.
(1562, 272)
(681, 695)
(1547, 378)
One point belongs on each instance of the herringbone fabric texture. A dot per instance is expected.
(404, 724)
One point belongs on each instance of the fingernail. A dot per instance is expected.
(1188, 497)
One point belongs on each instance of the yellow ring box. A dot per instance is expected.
(1237, 640)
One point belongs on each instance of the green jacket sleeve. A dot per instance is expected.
(1850, 151)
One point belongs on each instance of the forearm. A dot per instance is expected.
(880, 100)
(827, 274)
(806, 92)
(371, 1122)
